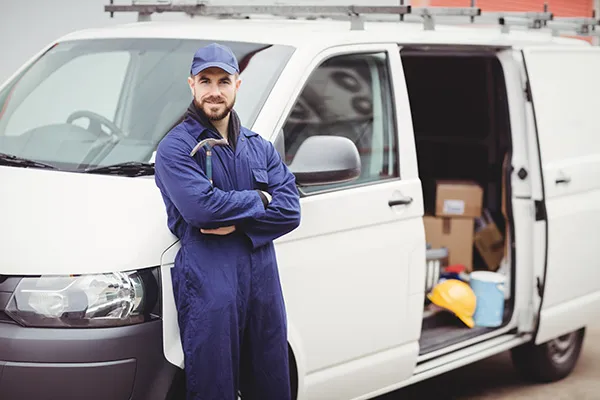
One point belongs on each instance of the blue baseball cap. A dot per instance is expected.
(215, 55)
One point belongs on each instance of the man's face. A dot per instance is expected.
(214, 92)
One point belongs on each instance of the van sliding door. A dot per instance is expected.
(564, 84)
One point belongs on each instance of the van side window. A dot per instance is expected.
(350, 96)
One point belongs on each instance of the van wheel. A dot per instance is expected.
(177, 390)
(550, 361)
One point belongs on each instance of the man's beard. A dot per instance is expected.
(207, 103)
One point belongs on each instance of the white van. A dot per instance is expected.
(86, 305)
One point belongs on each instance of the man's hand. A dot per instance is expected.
(265, 197)
(222, 231)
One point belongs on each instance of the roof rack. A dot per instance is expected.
(202, 9)
(354, 12)
(530, 20)
(582, 26)
(429, 13)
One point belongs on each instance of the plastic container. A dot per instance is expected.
(489, 291)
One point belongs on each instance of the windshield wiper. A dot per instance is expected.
(10, 159)
(130, 168)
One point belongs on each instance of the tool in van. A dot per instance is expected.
(208, 144)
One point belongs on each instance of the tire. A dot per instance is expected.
(550, 361)
(177, 390)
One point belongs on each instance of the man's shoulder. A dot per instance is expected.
(263, 148)
(255, 137)
(248, 132)
(177, 139)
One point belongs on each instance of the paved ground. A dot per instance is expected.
(495, 378)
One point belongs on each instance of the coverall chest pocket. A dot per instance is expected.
(260, 178)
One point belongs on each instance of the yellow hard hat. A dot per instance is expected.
(455, 296)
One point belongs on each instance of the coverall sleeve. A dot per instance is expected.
(199, 203)
(283, 213)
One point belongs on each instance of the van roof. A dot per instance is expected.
(300, 33)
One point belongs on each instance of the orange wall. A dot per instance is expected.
(560, 8)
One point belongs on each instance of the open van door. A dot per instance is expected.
(564, 86)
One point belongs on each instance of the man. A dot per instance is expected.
(226, 284)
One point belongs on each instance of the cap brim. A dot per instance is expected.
(227, 68)
(467, 320)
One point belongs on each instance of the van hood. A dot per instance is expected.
(71, 223)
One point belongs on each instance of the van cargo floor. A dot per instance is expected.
(443, 329)
(444, 336)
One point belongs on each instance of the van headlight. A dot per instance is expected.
(84, 301)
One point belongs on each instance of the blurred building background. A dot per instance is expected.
(560, 8)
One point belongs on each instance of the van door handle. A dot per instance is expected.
(400, 202)
(564, 180)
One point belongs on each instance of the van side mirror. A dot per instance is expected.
(324, 160)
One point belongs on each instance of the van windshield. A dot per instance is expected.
(94, 103)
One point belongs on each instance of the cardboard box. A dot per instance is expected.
(456, 234)
(458, 199)
(489, 242)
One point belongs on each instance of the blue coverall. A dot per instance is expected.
(227, 290)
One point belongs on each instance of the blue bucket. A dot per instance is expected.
(489, 291)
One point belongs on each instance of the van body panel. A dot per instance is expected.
(375, 371)
(335, 270)
(565, 317)
(518, 201)
(172, 345)
(458, 359)
(73, 223)
(347, 274)
(354, 261)
(466, 356)
(519, 158)
(563, 82)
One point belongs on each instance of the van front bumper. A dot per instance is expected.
(110, 363)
